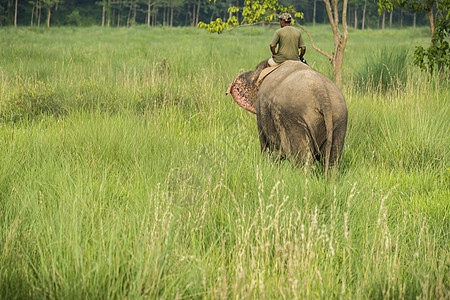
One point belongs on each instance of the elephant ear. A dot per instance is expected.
(243, 92)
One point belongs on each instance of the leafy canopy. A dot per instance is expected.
(253, 11)
(438, 54)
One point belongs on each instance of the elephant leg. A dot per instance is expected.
(263, 139)
(268, 146)
(268, 136)
(265, 145)
(296, 143)
(337, 146)
(301, 151)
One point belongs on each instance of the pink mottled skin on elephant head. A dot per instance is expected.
(242, 94)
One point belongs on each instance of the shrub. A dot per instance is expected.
(30, 101)
(74, 18)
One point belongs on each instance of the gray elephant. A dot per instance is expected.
(301, 114)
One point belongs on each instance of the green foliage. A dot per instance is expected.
(438, 54)
(253, 11)
(30, 101)
(3, 14)
(74, 18)
(50, 3)
(219, 25)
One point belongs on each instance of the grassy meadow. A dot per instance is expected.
(126, 172)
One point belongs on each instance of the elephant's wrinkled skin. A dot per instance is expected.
(301, 114)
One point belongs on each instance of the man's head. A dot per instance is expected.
(285, 19)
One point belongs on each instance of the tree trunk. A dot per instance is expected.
(39, 16)
(401, 18)
(314, 12)
(337, 66)
(340, 40)
(414, 19)
(48, 16)
(431, 18)
(171, 16)
(103, 14)
(32, 17)
(198, 12)
(165, 16)
(109, 13)
(147, 19)
(356, 18)
(364, 15)
(383, 20)
(129, 16)
(212, 15)
(15, 15)
(390, 19)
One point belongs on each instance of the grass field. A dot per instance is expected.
(125, 172)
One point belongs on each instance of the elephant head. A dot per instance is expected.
(244, 88)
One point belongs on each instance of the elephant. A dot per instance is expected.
(301, 114)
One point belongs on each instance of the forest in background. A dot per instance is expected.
(362, 14)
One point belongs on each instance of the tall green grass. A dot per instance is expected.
(127, 173)
(386, 69)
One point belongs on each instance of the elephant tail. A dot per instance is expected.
(328, 118)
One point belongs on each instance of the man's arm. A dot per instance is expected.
(302, 51)
(272, 48)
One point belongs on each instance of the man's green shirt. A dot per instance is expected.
(289, 40)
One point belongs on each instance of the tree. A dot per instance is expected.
(15, 14)
(132, 11)
(340, 38)
(49, 4)
(414, 5)
(254, 11)
(438, 54)
(356, 6)
(149, 4)
(105, 4)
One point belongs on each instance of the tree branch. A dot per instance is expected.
(312, 43)
(245, 25)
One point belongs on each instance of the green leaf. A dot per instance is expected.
(253, 11)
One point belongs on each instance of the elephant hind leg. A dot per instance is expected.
(337, 146)
(293, 139)
(264, 139)
(302, 151)
(264, 142)
(297, 144)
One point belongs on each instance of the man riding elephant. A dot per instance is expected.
(289, 40)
